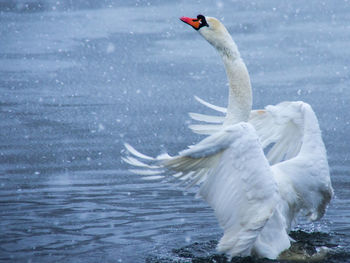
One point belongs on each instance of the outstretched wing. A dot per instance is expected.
(237, 182)
(291, 138)
(242, 191)
(279, 127)
(276, 126)
(241, 186)
(308, 171)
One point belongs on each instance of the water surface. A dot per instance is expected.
(80, 78)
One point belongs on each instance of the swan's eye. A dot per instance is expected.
(202, 21)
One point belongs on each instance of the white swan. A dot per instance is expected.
(255, 197)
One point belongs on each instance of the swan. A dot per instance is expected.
(256, 197)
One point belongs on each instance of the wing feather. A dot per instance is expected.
(206, 118)
(237, 183)
(308, 171)
(211, 106)
(275, 125)
(242, 191)
(280, 127)
(215, 122)
(206, 129)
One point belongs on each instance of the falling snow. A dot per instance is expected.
(81, 78)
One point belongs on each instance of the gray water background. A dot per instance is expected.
(80, 78)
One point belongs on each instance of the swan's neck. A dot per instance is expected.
(240, 92)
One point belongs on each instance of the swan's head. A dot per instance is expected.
(213, 31)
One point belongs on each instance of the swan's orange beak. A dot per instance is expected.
(194, 22)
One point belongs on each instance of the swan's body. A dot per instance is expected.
(256, 198)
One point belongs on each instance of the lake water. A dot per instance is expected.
(80, 78)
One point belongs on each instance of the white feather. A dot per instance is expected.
(211, 106)
(274, 125)
(206, 118)
(205, 129)
(133, 151)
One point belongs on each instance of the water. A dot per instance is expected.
(80, 78)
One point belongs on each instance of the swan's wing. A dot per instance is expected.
(238, 184)
(307, 173)
(280, 128)
(236, 181)
(276, 126)
(191, 165)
